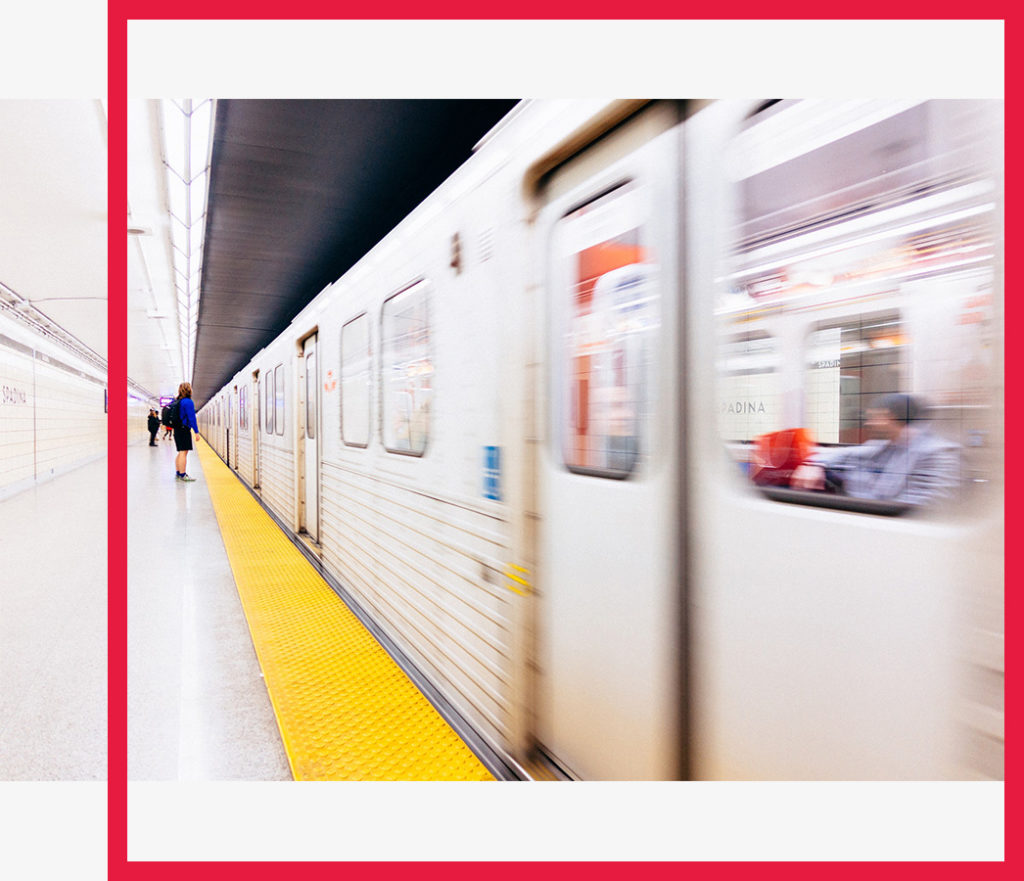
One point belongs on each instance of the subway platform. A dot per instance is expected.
(53, 629)
(243, 664)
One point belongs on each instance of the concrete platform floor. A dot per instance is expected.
(198, 708)
(53, 629)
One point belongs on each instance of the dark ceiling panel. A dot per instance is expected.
(299, 192)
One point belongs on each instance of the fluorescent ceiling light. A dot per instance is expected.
(188, 136)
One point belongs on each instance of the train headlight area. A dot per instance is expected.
(655, 440)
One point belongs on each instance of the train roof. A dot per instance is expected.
(299, 191)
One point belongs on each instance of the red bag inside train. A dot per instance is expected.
(778, 454)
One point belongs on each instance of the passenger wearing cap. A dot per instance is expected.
(904, 461)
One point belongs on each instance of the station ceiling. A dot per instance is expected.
(53, 212)
(299, 191)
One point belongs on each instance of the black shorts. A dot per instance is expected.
(183, 439)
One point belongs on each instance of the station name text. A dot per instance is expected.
(13, 395)
(743, 408)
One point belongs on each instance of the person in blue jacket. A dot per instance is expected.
(183, 430)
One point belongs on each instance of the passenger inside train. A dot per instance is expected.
(903, 461)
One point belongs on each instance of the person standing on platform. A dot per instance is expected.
(183, 421)
(153, 424)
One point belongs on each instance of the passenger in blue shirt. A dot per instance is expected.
(904, 461)
(183, 432)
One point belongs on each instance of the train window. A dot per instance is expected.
(279, 399)
(610, 315)
(243, 413)
(311, 395)
(406, 371)
(355, 382)
(270, 402)
(848, 364)
(863, 240)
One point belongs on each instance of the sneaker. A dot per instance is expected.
(186, 478)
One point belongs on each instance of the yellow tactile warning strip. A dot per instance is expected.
(346, 710)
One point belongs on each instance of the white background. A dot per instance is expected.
(515, 59)
(565, 821)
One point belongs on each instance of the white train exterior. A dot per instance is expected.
(517, 433)
(53, 399)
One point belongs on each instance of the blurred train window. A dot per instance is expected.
(279, 399)
(406, 371)
(864, 241)
(355, 382)
(849, 364)
(270, 403)
(311, 395)
(610, 313)
(243, 413)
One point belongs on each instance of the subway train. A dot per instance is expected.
(53, 398)
(544, 433)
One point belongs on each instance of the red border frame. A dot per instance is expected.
(120, 12)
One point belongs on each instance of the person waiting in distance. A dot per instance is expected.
(904, 461)
(153, 424)
(183, 421)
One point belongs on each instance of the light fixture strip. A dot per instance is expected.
(187, 187)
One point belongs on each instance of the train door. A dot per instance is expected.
(229, 430)
(234, 427)
(311, 459)
(609, 647)
(257, 429)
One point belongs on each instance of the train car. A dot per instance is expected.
(863, 259)
(53, 409)
(543, 435)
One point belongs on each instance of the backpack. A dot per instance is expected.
(172, 414)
